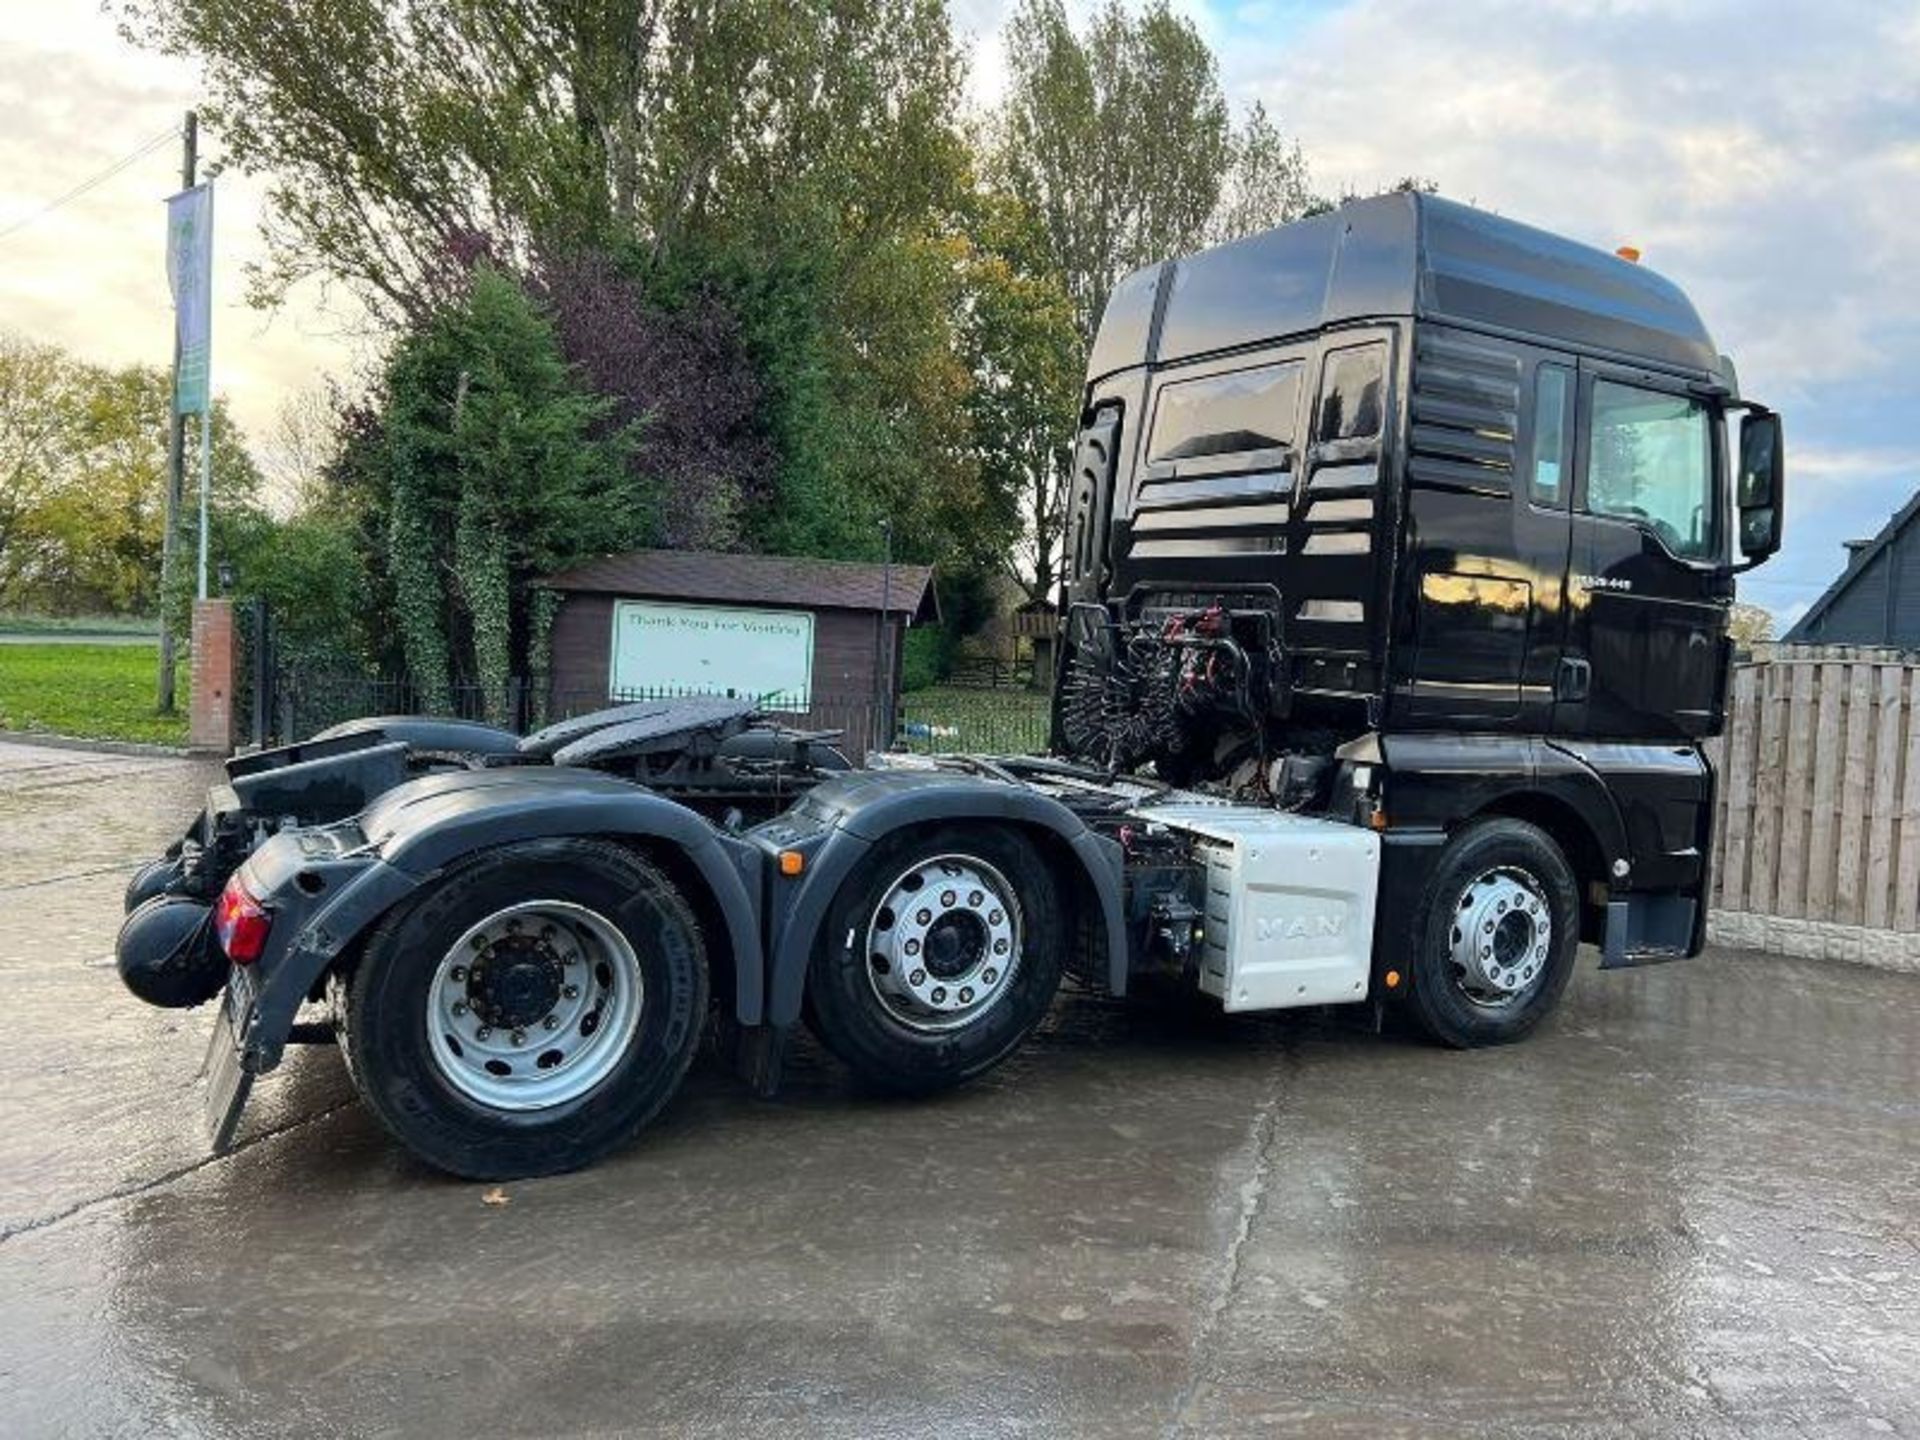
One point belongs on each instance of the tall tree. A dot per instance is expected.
(1121, 144)
(1027, 361)
(1266, 181)
(405, 137)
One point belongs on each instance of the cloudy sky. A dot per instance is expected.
(1765, 156)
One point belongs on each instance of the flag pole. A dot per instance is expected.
(206, 413)
(176, 454)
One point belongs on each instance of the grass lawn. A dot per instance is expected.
(981, 722)
(101, 692)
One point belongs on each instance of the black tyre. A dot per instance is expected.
(531, 1012)
(1497, 932)
(938, 957)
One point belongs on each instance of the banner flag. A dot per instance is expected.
(190, 274)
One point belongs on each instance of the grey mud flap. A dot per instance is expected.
(228, 1080)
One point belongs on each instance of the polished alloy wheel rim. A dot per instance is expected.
(1502, 934)
(534, 1006)
(943, 945)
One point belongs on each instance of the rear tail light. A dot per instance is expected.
(241, 922)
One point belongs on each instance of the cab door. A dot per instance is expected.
(1648, 590)
(1489, 481)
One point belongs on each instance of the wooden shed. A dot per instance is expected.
(819, 640)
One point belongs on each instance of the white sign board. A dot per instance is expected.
(663, 649)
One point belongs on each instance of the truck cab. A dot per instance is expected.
(1416, 483)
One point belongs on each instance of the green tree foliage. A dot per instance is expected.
(83, 464)
(800, 157)
(1120, 143)
(1027, 365)
(486, 473)
(402, 134)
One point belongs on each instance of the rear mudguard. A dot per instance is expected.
(841, 821)
(326, 887)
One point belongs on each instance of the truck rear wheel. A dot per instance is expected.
(1497, 933)
(529, 1013)
(938, 957)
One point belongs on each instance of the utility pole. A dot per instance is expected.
(176, 451)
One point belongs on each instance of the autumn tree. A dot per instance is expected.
(83, 453)
(406, 137)
(1027, 361)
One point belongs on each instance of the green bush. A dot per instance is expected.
(927, 658)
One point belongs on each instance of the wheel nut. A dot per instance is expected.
(459, 1007)
(552, 1022)
(925, 917)
(995, 917)
(519, 1037)
(947, 899)
(966, 995)
(989, 975)
(918, 977)
(479, 942)
(485, 1032)
(459, 972)
(975, 899)
(912, 947)
(939, 996)
(999, 947)
(572, 992)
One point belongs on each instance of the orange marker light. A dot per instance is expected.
(1393, 979)
(1630, 253)
(792, 862)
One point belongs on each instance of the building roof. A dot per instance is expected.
(1392, 255)
(787, 582)
(1860, 558)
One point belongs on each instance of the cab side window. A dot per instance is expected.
(1650, 461)
(1212, 419)
(1552, 415)
(1352, 394)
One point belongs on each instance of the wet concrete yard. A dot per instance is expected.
(1690, 1206)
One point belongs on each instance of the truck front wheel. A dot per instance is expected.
(529, 1013)
(938, 957)
(1497, 932)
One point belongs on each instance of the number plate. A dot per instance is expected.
(227, 1082)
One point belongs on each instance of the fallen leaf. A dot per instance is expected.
(495, 1196)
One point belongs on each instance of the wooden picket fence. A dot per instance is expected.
(1819, 803)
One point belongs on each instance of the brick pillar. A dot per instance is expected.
(210, 718)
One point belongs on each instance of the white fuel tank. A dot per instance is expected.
(1289, 904)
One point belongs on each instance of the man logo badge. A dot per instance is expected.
(1325, 926)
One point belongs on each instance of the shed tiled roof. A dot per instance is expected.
(780, 580)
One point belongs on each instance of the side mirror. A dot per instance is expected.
(1760, 486)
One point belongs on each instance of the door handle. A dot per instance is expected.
(1574, 681)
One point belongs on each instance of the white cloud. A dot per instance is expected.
(1760, 155)
(90, 276)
